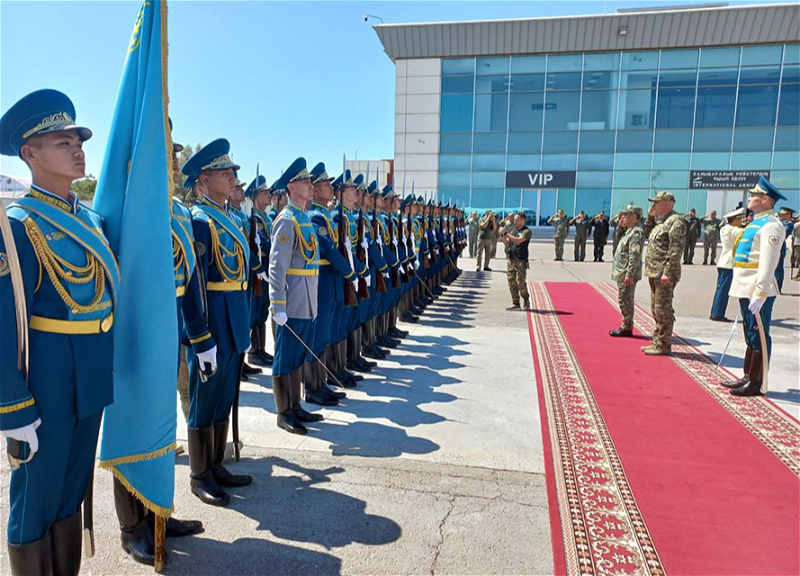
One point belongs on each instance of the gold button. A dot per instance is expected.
(107, 322)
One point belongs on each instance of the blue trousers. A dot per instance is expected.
(52, 485)
(322, 324)
(289, 353)
(211, 401)
(724, 281)
(751, 328)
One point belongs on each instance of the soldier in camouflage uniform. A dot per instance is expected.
(627, 267)
(516, 240)
(711, 225)
(560, 229)
(619, 231)
(666, 236)
(692, 234)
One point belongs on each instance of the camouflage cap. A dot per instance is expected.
(663, 195)
(631, 209)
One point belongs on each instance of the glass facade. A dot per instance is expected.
(626, 123)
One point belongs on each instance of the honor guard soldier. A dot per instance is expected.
(755, 257)
(626, 270)
(786, 217)
(260, 194)
(223, 255)
(388, 246)
(727, 235)
(58, 278)
(293, 282)
(334, 270)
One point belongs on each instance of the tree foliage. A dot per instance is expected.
(85, 187)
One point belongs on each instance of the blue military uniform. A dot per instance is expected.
(788, 225)
(259, 309)
(69, 279)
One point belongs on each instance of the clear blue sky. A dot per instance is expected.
(278, 79)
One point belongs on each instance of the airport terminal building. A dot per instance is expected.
(594, 112)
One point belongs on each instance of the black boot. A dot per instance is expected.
(753, 385)
(351, 375)
(345, 382)
(177, 528)
(203, 485)
(31, 559)
(748, 358)
(395, 332)
(303, 415)
(135, 535)
(333, 393)
(262, 346)
(221, 475)
(247, 369)
(289, 422)
(65, 538)
(318, 397)
(253, 356)
(621, 332)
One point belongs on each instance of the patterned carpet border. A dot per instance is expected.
(602, 528)
(773, 427)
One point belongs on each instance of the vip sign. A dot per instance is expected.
(540, 179)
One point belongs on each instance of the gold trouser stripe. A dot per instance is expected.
(180, 291)
(43, 324)
(226, 286)
(302, 271)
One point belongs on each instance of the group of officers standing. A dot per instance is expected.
(335, 262)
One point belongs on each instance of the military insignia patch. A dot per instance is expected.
(773, 240)
(283, 239)
(200, 248)
(322, 232)
(4, 266)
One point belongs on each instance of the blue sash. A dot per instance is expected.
(743, 244)
(77, 229)
(226, 223)
(180, 232)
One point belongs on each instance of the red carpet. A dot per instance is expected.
(652, 467)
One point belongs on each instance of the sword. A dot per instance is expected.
(331, 374)
(730, 337)
(762, 336)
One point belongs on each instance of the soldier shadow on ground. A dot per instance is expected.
(290, 503)
(785, 323)
(791, 395)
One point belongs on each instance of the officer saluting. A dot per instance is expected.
(223, 255)
(58, 278)
(755, 257)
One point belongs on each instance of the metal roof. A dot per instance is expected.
(653, 29)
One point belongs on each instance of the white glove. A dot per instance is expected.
(25, 434)
(258, 241)
(280, 318)
(355, 284)
(347, 243)
(756, 303)
(263, 276)
(394, 241)
(208, 357)
(386, 275)
(365, 244)
(416, 264)
(380, 240)
(368, 278)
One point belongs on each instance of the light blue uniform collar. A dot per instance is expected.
(73, 203)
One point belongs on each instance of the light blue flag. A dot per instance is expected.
(133, 196)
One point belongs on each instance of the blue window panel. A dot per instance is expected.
(459, 197)
(715, 106)
(789, 107)
(527, 82)
(607, 61)
(696, 200)
(454, 179)
(635, 141)
(718, 77)
(751, 160)
(666, 180)
(712, 57)
(600, 80)
(524, 142)
(593, 201)
(491, 112)
(562, 110)
(632, 179)
(600, 141)
(565, 202)
(487, 199)
(636, 109)
(785, 179)
(565, 63)
(673, 141)
(671, 160)
(757, 105)
(791, 74)
(560, 142)
(452, 66)
(718, 140)
(760, 75)
(490, 66)
(527, 64)
(456, 114)
(787, 139)
(599, 110)
(786, 161)
(755, 55)
(489, 143)
(620, 199)
(489, 162)
(639, 60)
(710, 160)
(488, 179)
(527, 112)
(458, 84)
(516, 198)
(559, 161)
(454, 163)
(791, 53)
(524, 162)
(753, 139)
(563, 81)
(675, 108)
(595, 180)
(633, 161)
(595, 161)
(679, 58)
(491, 84)
(455, 143)
(677, 78)
(638, 80)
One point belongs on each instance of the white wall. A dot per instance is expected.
(416, 141)
(357, 167)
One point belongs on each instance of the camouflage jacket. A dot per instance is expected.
(628, 257)
(666, 240)
(711, 227)
(560, 226)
